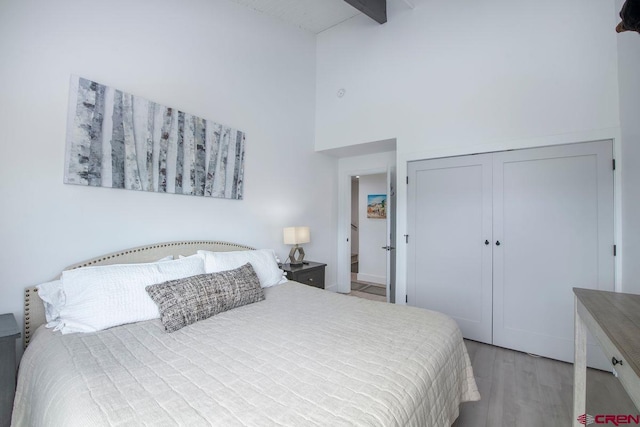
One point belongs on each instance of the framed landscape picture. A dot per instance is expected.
(377, 206)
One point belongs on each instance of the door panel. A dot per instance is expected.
(449, 265)
(391, 235)
(553, 215)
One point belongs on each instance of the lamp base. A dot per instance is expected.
(296, 255)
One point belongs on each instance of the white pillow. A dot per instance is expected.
(263, 262)
(53, 298)
(101, 297)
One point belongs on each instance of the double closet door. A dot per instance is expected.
(497, 241)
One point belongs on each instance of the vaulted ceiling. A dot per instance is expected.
(317, 15)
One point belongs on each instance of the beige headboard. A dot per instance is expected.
(34, 308)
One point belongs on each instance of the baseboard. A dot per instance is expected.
(362, 277)
(331, 288)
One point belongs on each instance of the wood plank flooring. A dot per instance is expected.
(519, 390)
(367, 290)
(367, 296)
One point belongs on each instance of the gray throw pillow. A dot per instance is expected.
(185, 301)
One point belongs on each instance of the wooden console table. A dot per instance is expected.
(614, 319)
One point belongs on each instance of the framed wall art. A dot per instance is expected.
(119, 140)
(377, 206)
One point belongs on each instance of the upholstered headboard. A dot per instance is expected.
(34, 308)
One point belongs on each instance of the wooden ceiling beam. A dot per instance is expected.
(374, 9)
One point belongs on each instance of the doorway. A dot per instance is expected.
(359, 165)
(372, 259)
(368, 236)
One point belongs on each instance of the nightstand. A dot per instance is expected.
(8, 334)
(311, 274)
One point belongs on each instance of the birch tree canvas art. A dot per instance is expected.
(119, 140)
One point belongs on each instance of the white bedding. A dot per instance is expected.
(303, 356)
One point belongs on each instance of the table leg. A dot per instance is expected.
(579, 366)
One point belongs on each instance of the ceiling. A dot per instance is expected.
(311, 15)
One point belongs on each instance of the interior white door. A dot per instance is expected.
(553, 219)
(449, 250)
(391, 235)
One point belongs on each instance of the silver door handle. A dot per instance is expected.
(388, 248)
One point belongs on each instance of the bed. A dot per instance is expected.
(302, 356)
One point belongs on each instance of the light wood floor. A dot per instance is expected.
(367, 296)
(521, 390)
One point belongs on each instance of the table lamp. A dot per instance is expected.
(295, 236)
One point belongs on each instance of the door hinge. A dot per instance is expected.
(407, 179)
(406, 238)
(614, 164)
(406, 298)
(615, 251)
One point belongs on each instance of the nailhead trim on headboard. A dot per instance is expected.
(146, 248)
(27, 314)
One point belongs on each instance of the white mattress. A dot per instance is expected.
(302, 357)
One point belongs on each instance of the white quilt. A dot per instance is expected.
(301, 357)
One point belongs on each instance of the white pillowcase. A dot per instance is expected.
(96, 298)
(53, 298)
(263, 262)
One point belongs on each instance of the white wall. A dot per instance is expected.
(628, 72)
(468, 73)
(451, 78)
(211, 58)
(373, 232)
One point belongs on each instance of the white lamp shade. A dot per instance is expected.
(296, 235)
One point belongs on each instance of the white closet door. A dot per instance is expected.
(553, 217)
(449, 220)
